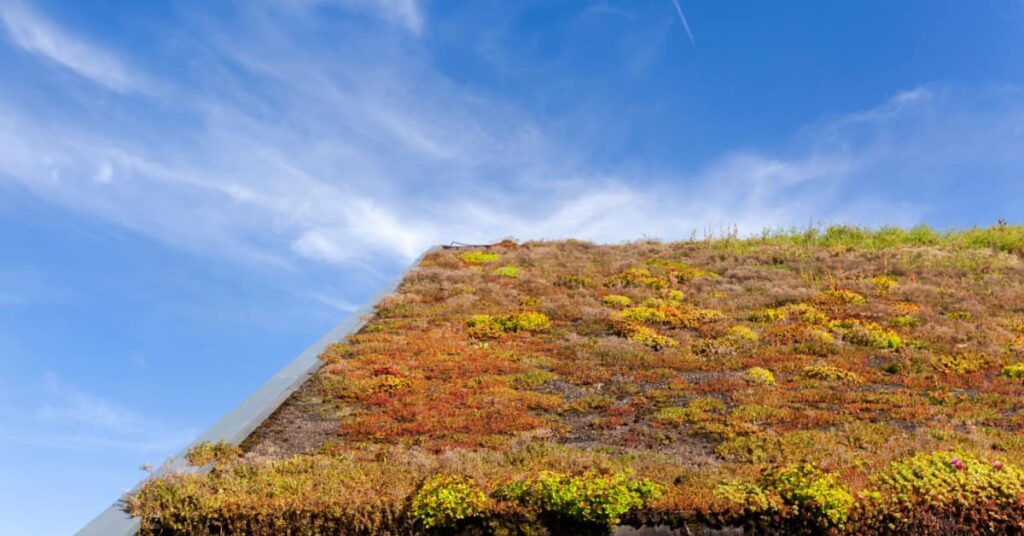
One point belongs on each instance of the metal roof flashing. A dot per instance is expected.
(237, 425)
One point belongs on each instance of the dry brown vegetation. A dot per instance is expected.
(827, 381)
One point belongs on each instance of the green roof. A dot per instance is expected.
(841, 379)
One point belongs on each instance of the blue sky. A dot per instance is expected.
(191, 192)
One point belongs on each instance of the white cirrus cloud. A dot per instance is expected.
(37, 35)
(57, 414)
(364, 154)
(405, 13)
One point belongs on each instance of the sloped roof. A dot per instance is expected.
(787, 380)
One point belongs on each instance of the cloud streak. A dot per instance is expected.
(686, 25)
(39, 36)
(56, 414)
(405, 13)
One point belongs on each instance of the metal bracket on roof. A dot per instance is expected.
(457, 245)
(236, 426)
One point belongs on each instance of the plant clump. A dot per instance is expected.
(489, 327)
(1017, 344)
(1015, 371)
(672, 416)
(842, 296)
(918, 493)
(478, 257)
(741, 334)
(799, 311)
(508, 271)
(681, 316)
(615, 300)
(962, 363)
(905, 321)
(697, 411)
(444, 501)
(636, 277)
(587, 499)
(884, 284)
(648, 337)
(799, 497)
(759, 376)
(574, 281)
(680, 272)
(829, 373)
(867, 334)
(206, 453)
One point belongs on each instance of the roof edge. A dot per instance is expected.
(238, 424)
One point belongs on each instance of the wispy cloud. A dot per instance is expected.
(66, 405)
(57, 414)
(39, 36)
(339, 304)
(405, 13)
(682, 19)
(300, 158)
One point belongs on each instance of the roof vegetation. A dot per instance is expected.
(838, 380)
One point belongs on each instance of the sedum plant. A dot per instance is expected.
(487, 326)
(800, 496)
(910, 495)
(760, 376)
(444, 500)
(508, 271)
(1015, 371)
(615, 300)
(589, 498)
(206, 453)
(478, 257)
(829, 373)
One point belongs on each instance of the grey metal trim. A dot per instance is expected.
(247, 416)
